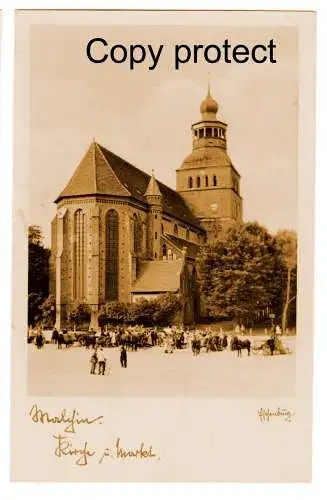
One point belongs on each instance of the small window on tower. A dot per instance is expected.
(198, 182)
(215, 132)
(190, 182)
(156, 217)
(162, 229)
(209, 132)
(201, 133)
(195, 133)
(206, 180)
(155, 235)
(214, 180)
(164, 250)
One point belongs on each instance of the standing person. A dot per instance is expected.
(123, 357)
(93, 361)
(54, 337)
(102, 362)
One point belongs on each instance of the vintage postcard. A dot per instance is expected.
(163, 246)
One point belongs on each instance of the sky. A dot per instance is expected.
(145, 116)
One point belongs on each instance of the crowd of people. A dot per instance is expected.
(169, 338)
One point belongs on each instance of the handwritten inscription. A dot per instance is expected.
(72, 420)
(65, 448)
(266, 414)
(119, 452)
(83, 453)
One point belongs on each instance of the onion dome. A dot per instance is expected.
(209, 107)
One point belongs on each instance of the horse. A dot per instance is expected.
(238, 345)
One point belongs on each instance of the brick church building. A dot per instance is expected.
(120, 234)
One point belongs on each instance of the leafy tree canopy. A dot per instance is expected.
(242, 274)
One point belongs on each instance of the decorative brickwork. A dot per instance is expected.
(115, 225)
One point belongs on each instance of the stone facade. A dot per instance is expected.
(119, 234)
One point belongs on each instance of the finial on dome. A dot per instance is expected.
(209, 107)
(208, 93)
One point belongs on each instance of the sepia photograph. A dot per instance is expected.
(163, 214)
(162, 238)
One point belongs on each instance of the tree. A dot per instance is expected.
(48, 309)
(143, 311)
(80, 314)
(168, 308)
(114, 312)
(287, 244)
(38, 273)
(240, 274)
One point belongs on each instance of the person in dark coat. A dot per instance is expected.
(123, 357)
(54, 337)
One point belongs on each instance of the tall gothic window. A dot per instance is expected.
(198, 182)
(206, 180)
(214, 180)
(112, 239)
(135, 234)
(190, 182)
(79, 255)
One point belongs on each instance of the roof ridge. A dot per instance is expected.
(109, 166)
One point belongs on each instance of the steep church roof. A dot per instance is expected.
(101, 172)
(159, 276)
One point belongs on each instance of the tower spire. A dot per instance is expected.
(208, 93)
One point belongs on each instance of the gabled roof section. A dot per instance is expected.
(104, 173)
(94, 176)
(159, 276)
(192, 248)
(137, 182)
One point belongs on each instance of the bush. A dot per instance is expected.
(164, 309)
(80, 315)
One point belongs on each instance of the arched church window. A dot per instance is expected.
(111, 255)
(79, 255)
(198, 182)
(206, 179)
(190, 182)
(164, 250)
(214, 180)
(175, 230)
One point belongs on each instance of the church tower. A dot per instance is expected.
(207, 179)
